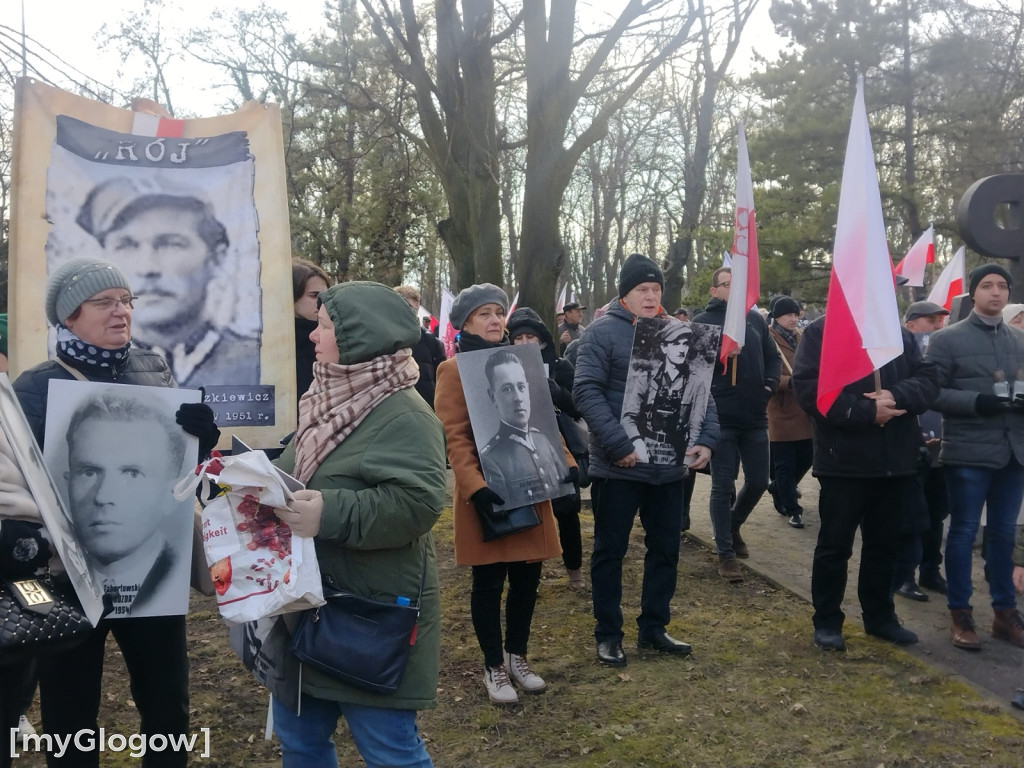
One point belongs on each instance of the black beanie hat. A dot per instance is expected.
(987, 269)
(638, 269)
(784, 305)
(525, 320)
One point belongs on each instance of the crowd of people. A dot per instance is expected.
(937, 433)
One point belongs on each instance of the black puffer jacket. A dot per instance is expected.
(757, 374)
(140, 367)
(847, 442)
(560, 371)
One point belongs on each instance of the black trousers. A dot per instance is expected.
(567, 514)
(790, 462)
(155, 654)
(485, 607)
(616, 503)
(875, 505)
(924, 549)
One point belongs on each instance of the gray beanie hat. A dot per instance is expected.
(473, 298)
(78, 280)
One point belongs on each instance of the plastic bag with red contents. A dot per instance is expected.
(258, 567)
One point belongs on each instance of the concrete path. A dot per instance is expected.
(783, 555)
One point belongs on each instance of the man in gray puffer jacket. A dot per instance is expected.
(622, 484)
(980, 361)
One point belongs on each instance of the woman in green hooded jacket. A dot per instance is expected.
(371, 453)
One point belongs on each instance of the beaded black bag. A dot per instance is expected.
(39, 616)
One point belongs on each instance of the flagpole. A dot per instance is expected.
(734, 370)
(878, 383)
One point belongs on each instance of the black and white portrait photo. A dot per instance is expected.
(47, 497)
(177, 216)
(514, 424)
(670, 371)
(119, 453)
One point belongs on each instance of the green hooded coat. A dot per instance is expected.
(383, 488)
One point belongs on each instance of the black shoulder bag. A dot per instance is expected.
(362, 642)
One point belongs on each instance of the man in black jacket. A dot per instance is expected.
(742, 413)
(866, 452)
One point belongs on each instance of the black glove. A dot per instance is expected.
(23, 550)
(485, 499)
(573, 477)
(990, 405)
(197, 420)
(1018, 402)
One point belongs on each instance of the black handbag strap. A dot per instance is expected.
(423, 578)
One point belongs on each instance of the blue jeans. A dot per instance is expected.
(384, 737)
(1000, 491)
(748, 446)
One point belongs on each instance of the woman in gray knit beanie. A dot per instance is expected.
(90, 303)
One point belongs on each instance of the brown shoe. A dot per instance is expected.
(739, 545)
(964, 634)
(1008, 625)
(729, 568)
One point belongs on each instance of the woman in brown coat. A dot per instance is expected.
(479, 313)
(789, 426)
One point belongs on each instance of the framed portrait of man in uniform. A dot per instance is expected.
(514, 424)
(669, 384)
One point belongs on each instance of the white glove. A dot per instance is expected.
(303, 513)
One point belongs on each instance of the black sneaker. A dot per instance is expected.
(796, 521)
(893, 632)
(933, 582)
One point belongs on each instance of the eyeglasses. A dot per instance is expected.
(106, 305)
(723, 285)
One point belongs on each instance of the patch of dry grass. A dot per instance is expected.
(755, 692)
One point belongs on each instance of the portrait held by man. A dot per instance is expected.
(178, 218)
(511, 411)
(116, 453)
(670, 371)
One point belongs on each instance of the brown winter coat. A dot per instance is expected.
(538, 543)
(787, 421)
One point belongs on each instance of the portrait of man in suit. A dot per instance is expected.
(124, 457)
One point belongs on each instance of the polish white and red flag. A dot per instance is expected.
(862, 323)
(920, 255)
(745, 279)
(152, 119)
(951, 281)
(447, 332)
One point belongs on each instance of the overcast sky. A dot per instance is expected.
(69, 27)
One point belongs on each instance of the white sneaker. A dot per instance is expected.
(499, 687)
(521, 673)
(25, 727)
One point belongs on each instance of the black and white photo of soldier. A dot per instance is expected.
(522, 459)
(179, 219)
(122, 454)
(669, 384)
(170, 247)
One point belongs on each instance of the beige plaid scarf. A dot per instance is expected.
(340, 398)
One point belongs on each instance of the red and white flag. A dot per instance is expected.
(447, 333)
(515, 303)
(950, 283)
(148, 124)
(560, 301)
(862, 323)
(746, 280)
(921, 254)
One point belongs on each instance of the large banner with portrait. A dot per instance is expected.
(116, 453)
(195, 217)
(669, 384)
(514, 424)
